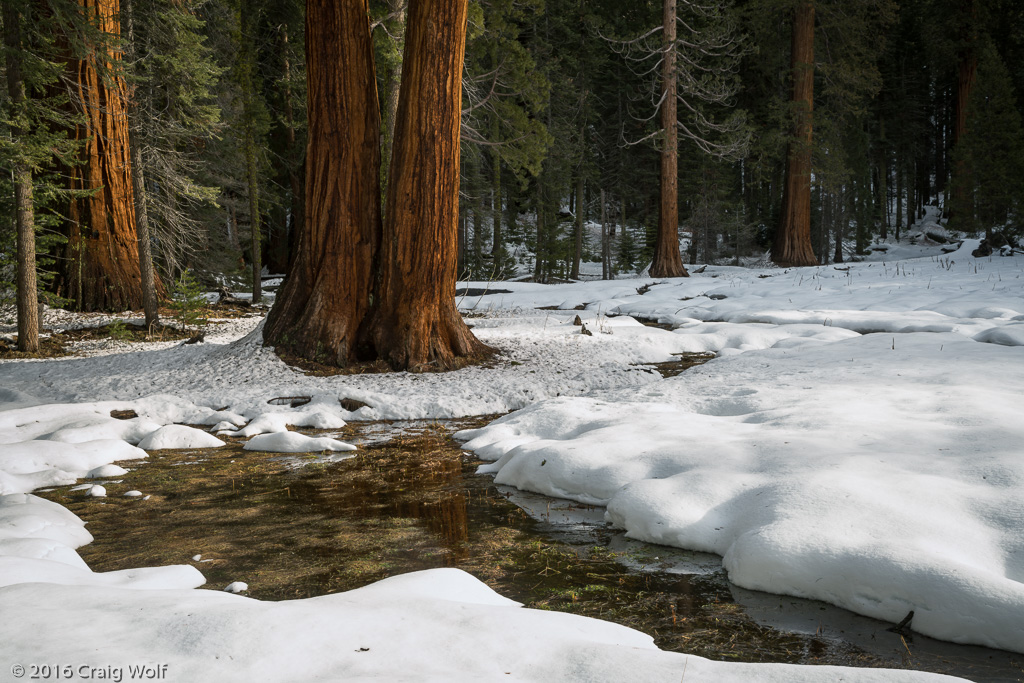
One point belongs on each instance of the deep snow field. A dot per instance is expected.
(858, 439)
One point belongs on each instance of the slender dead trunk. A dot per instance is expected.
(27, 303)
(252, 182)
(100, 270)
(899, 195)
(604, 238)
(497, 239)
(150, 301)
(667, 260)
(295, 176)
(392, 87)
(792, 246)
(577, 237)
(327, 295)
(541, 251)
(416, 325)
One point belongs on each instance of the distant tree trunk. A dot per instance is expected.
(416, 324)
(839, 217)
(667, 261)
(101, 268)
(150, 300)
(27, 304)
(283, 223)
(941, 121)
(327, 295)
(792, 245)
(604, 238)
(497, 239)
(252, 183)
(392, 86)
(541, 251)
(899, 195)
(967, 71)
(911, 200)
(577, 236)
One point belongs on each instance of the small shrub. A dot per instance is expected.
(189, 303)
(119, 331)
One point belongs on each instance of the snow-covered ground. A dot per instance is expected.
(857, 439)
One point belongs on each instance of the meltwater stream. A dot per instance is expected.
(410, 499)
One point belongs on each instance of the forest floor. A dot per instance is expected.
(854, 439)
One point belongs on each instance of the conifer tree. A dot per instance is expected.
(992, 152)
(697, 73)
(21, 172)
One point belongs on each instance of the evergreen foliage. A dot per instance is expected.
(217, 90)
(188, 302)
(993, 151)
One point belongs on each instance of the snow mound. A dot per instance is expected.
(106, 471)
(23, 515)
(294, 442)
(14, 570)
(179, 436)
(29, 465)
(879, 475)
(436, 625)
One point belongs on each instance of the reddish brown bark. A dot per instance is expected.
(416, 325)
(101, 268)
(327, 295)
(967, 71)
(792, 245)
(668, 262)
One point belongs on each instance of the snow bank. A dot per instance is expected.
(29, 465)
(857, 440)
(437, 625)
(876, 478)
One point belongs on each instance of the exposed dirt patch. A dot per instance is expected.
(683, 362)
(312, 368)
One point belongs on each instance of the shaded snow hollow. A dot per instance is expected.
(856, 441)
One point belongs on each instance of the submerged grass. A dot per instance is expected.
(411, 503)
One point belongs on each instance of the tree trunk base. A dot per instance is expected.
(669, 268)
(426, 341)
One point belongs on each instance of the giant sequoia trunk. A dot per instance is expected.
(100, 270)
(967, 70)
(792, 245)
(326, 297)
(416, 324)
(667, 260)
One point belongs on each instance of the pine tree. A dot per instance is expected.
(21, 174)
(992, 151)
(172, 79)
(697, 73)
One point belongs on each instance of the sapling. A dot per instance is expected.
(189, 303)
